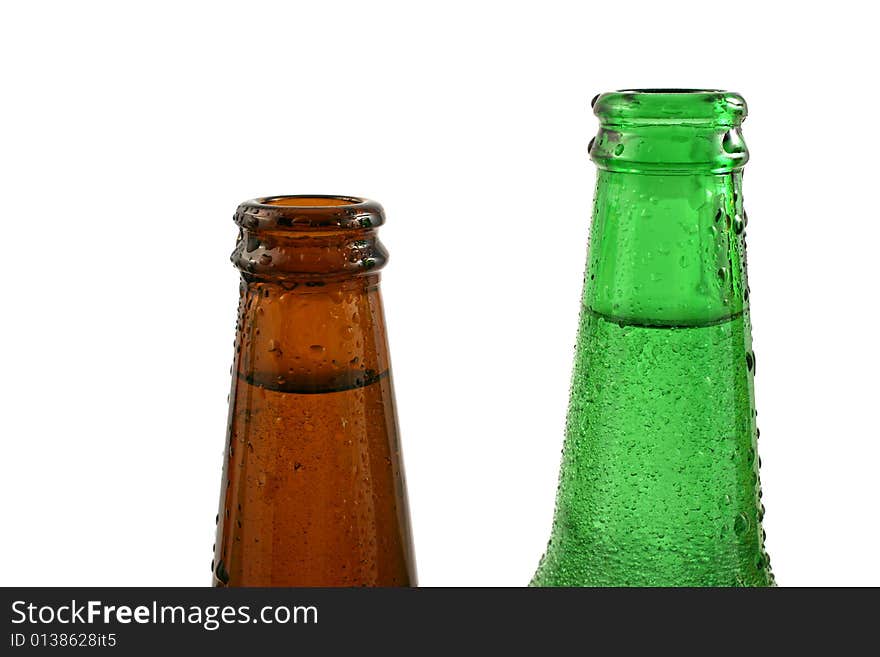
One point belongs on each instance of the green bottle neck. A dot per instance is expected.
(667, 241)
(667, 250)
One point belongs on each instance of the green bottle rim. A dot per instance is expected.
(659, 106)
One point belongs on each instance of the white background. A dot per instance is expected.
(130, 132)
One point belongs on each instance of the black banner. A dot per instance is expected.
(327, 621)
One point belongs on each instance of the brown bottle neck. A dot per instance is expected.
(310, 319)
(313, 336)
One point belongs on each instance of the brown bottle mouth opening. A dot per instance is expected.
(315, 201)
(309, 212)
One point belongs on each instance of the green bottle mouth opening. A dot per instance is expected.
(670, 90)
(657, 106)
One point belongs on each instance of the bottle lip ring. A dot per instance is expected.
(669, 91)
(669, 106)
(304, 211)
(318, 201)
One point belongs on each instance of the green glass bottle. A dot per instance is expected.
(659, 476)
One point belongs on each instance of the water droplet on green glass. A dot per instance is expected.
(741, 524)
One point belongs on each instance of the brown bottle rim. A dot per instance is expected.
(304, 211)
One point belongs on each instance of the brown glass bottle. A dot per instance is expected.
(313, 491)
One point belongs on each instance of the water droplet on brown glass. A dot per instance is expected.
(221, 573)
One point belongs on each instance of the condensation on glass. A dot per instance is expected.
(313, 490)
(659, 477)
